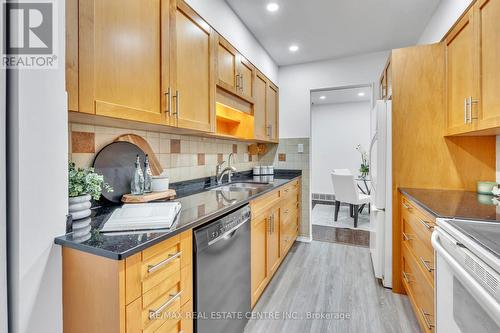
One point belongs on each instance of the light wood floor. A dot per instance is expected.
(326, 277)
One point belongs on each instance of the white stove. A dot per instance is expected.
(467, 277)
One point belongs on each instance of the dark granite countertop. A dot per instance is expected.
(199, 206)
(455, 204)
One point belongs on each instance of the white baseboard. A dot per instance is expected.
(304, 239)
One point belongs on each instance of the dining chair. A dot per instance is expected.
(346, 191)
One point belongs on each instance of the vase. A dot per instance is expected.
(79, 207)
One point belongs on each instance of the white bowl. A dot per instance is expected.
(159, 184)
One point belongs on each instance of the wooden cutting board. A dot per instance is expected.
(140, 142)
(148, 197)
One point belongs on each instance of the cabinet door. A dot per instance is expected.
(246, 79)
(460, 84)
(192, 69)
(119, 76)
(487, 16)
(227, 65)
(259, 107)
(259, 235)
(272, 112)
(273, 242)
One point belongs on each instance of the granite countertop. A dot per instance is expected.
(454, 204)
(199, 206)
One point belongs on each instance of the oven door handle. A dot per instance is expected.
(482, 296)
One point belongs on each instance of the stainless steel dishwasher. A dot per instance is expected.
(222, 273)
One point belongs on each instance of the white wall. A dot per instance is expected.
(296, 82)
(336, 131)
(220, 16)
(37, 192)
(445, 16)
(3, 202)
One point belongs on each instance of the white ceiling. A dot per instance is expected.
(325, 29)
(337, 96)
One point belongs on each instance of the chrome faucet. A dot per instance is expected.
(219, 174)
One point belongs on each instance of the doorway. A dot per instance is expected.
(340, 140)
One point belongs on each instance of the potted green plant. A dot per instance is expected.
(84, 184)
(364, 168)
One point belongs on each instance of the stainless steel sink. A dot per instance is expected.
(241, 186)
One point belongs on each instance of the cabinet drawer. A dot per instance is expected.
(419, 247)
(421, 222)
(155, 265)
(419, 290)
(264, 203)
(146, 314)
(290, 190)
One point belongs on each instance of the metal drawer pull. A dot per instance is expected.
(407, 237)
(286, 211)
(426, 264)
(177, 97)
(426, 319)
(406, 206)
(155, 313)
(405, 276)
(172, 257)
(168, 101)
(427, 224)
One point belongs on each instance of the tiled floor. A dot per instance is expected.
(325, 229)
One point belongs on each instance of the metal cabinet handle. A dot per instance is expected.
(177, 97)
(237, 80)
(426, 264)
(154, 313)
(427, 224)
(171, 257)
(426, 319)
(406, 206)
(168, 101)
(471, 102)
(466, 118)
(286, 211)
(406, 237)
(405, 277)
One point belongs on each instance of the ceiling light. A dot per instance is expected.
(272, 7)
(293, 48)
(322, 97)
(361, 94)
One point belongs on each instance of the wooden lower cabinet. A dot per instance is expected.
(274, 228)
(417, 266)
(150, 291)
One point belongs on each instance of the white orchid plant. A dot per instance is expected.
(364, 169)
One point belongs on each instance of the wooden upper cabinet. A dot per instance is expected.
(272, 111)
(226, 66)
(235, 73)
(246, 73)
(119, 58)
(192, 69)
(259, 107)
(487, 18)
(72, 54)
(460, 76)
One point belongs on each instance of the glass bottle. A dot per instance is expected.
(148, 176)
(137, 185)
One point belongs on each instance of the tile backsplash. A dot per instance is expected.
(186, 157)
(183, 157)
(286, 155)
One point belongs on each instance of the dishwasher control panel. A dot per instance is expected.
(227, 223)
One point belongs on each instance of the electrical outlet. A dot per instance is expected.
(300, 148)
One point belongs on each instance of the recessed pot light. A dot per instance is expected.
(293, 48)
(322, 97)
(361, 94)
(272, 7)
